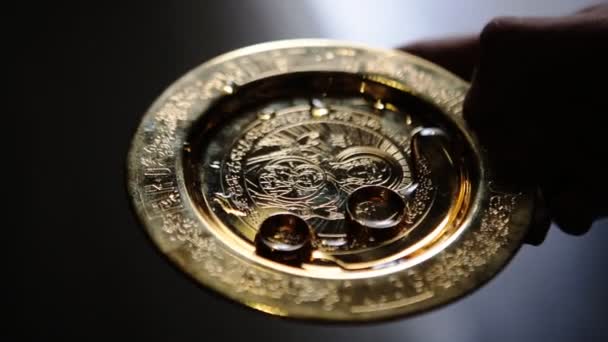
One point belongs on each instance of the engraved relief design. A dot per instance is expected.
(309, 166)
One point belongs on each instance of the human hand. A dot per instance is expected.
(537, 102)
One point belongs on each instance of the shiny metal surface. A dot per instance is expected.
(271, 173)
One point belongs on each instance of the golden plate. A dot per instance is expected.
(323, 180)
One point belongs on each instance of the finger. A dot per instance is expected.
(458, 55)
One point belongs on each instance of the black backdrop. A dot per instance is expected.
(84, 268)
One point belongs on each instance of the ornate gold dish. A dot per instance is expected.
(323, 180)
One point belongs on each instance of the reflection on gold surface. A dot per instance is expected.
(294, 129)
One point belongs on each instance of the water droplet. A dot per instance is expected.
(362, 87)
(377, 210)
(266, 114)
(408, 119)
(334, 242)
(318, 108)
(432, 146)
(229, 87)
(284, 238)
(379, 105)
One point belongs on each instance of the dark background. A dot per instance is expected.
(85, 269)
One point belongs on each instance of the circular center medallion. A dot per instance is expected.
(295, 162)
